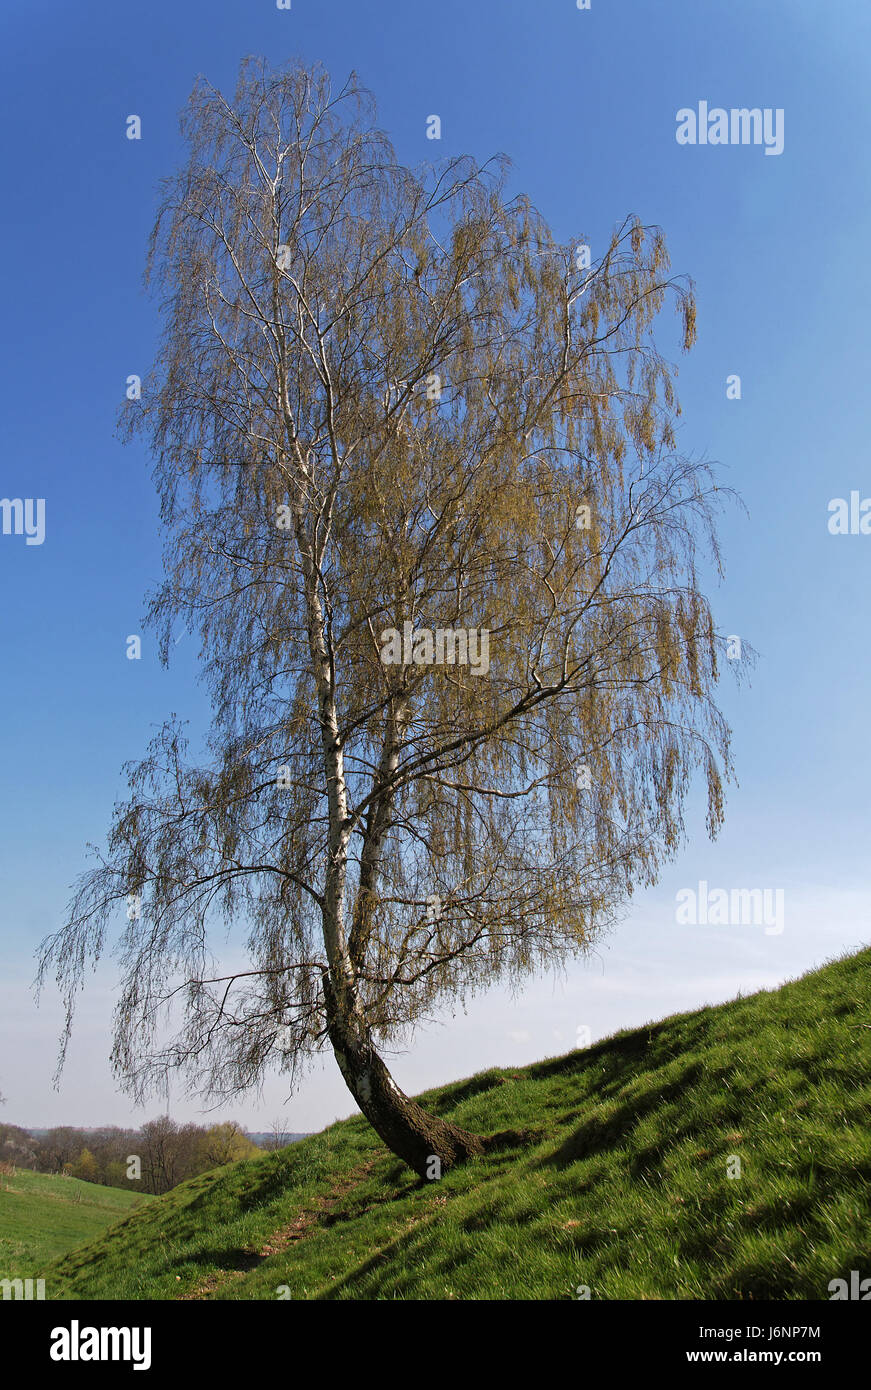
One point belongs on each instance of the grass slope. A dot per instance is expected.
(42, 1217)
(624, 1188)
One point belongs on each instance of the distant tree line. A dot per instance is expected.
(168, 1152)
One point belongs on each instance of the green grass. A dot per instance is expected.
(624, 1189)
(42, 1217)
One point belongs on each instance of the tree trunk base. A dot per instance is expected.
(429, 1145)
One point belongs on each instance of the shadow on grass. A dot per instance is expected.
(602, 1131)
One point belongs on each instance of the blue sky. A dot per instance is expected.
(584, 103)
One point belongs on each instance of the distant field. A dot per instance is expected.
(42, 1217)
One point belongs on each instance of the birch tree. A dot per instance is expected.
(423, 508)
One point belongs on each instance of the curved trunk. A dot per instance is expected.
(408, 1130)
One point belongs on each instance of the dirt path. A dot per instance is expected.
(307, 1220)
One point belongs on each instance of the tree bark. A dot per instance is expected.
(408, 1130)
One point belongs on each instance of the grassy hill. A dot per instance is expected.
(624, 1188)
(42, 1217)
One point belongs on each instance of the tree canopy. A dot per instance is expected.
(422, 504)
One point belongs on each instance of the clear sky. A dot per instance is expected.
(585, 104)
